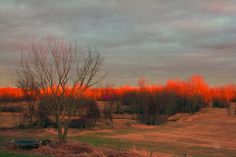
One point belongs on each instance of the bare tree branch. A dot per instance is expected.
(59, 71)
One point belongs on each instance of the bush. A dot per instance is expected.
(10, 109)
(193, 104)
(150, 106)
(88, 111)
(81, 123)
(43, 116)
(85, 108)
(129, 98)
(220, 103)
(93, 112)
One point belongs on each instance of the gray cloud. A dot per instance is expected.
(158, 39)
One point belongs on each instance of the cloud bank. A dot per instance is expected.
(158, 39)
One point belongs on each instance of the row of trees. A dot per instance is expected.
(195, 84)
(151, 103)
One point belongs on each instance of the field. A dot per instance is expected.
(210, 132)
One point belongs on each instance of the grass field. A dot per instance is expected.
(209, 133)
(10, 154)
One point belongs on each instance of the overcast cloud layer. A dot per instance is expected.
(158, 39)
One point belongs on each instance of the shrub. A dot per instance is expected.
(150, 106)
(220, 103)
(193, 103)
(43, 116)
(88, 112)
(81, 123)
(10, 109)
(93, 112)
(129, 98)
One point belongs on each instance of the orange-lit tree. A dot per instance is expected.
(61, 72)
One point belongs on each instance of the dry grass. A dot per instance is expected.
(9, 119)
(211, 132)
(213, 128)
(77, 149)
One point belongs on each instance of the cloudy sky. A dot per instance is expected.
(156, 39)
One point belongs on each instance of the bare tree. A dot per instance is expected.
(143, 97)
(30, 95)
(61, 73)
(110, 97)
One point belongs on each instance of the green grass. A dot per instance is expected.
(3, 139)
(103, 140)
(11, 154)
(6, 138)
(119, 144)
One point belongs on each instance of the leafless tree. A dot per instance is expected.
(143, 97)
(30, 95)
(110, 97)
(61, 73)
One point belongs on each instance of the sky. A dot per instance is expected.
(155, 39)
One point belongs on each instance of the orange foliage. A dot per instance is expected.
(195, 85)
(11, 92)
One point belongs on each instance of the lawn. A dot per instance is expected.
(12, 154)
(201, 134)
(171, 148)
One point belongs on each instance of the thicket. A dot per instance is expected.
(85, 112)
(153, 107)
(220, 103)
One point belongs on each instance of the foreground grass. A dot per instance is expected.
(205, 125)
(104, 141)
(12, 154)
(179, 150)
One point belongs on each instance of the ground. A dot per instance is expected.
(210, 132)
